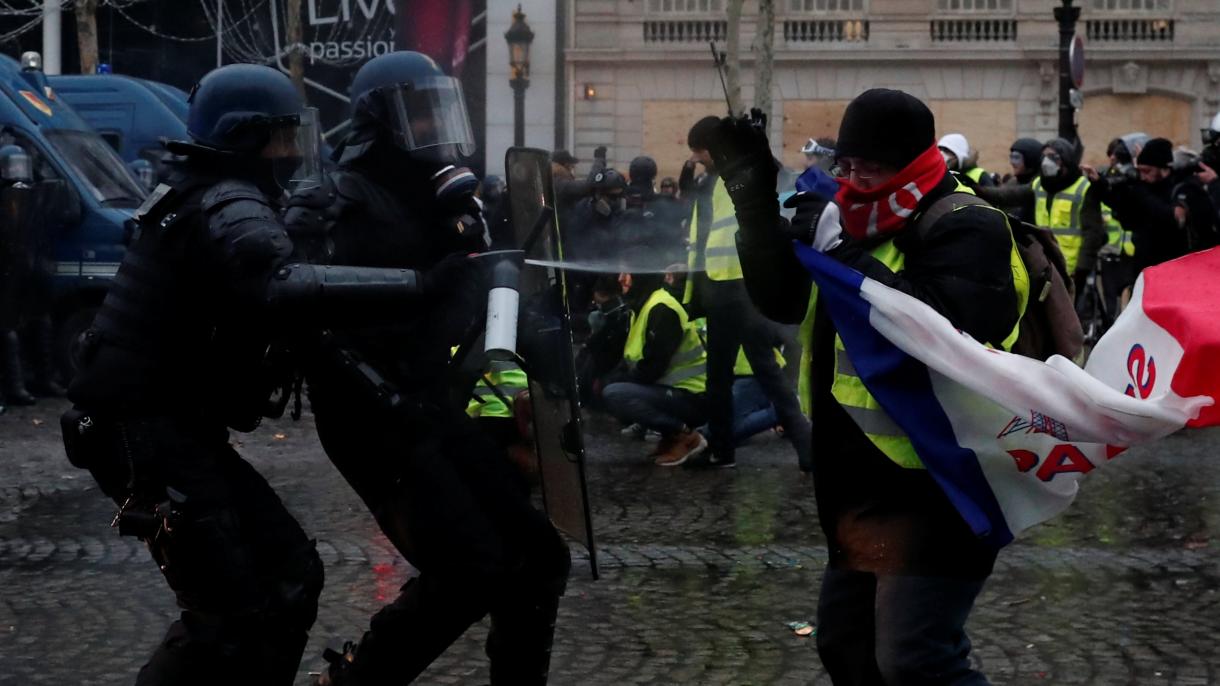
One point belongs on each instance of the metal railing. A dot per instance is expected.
(1130, 30)
(973, 30)
(825, 31)
(685, 31)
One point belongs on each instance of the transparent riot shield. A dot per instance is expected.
(545, 345)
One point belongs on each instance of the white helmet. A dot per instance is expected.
(957, 144)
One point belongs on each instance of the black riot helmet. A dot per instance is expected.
(407, 96)
(255, 112)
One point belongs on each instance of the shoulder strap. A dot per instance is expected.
(944, 205)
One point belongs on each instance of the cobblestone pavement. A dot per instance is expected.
(700, 571)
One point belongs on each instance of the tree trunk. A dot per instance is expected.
(293, 30)
(764, 56)
(732, 63)
(86, 35)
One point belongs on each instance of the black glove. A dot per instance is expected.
(742, 156)
(599, 153)
(809, 208)
(686, 180)
(451, 273)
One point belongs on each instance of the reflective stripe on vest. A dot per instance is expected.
(850, 392)
(1062, 217)
(508, 380)
(741, 367)
(1117, 235)
(720, 253)
(688, 366)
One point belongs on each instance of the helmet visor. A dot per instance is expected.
(309, 145)
(295, 149)
(430, 113)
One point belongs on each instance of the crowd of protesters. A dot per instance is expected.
(671, 345)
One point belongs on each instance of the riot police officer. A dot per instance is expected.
(17, 204)
(177, 354)
(443, 493)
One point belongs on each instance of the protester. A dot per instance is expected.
(962, 159)
(1146, 206)
(666, 369)
(905, 568)
(716, 289)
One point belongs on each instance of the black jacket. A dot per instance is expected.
(1146, 210)
(878, 516)
(662, 339)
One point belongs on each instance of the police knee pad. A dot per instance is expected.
(296, 591)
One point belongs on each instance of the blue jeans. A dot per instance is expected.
(753, 412)
(663, 408)
(894, 630)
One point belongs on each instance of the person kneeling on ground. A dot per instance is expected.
(666, 370)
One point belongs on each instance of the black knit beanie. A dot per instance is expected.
(888, 126)
(1157, 152)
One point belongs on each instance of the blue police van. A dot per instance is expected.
(89, 195)
(132, 115)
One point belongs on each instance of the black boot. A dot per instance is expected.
(519, 645)
(10, 366)
(46, 381)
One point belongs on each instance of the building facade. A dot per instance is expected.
(638, 73)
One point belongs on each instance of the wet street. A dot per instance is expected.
(701, 572)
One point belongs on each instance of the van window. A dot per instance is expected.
(114, 139)
(99, 167)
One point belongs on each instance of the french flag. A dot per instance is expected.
(1008, 438)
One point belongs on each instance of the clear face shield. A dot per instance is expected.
(296, 152)
(430, 115)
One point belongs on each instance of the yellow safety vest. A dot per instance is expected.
(719, 256)
(688, 366)
(804, 336)
(741, 367)
(863, 408)
(976, 173)
(1063, 217)
(1118, 235)
(508, 379)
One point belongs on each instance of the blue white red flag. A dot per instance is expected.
(1008, 438)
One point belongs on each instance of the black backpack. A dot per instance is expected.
(1050, 325)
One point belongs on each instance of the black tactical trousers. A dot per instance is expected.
(732, 323)
(245, 575)
(459, 512)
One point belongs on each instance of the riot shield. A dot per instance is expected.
(545, 345)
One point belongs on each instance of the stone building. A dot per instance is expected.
(638, 73)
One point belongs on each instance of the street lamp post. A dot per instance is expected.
(1066, 15)
(519, 37)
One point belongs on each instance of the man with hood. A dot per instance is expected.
(1061, 199)
(1012, 195)
(963, 159)
(905, 568)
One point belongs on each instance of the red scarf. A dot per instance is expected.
(877, 211)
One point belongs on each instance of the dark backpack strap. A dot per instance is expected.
(944, 205)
